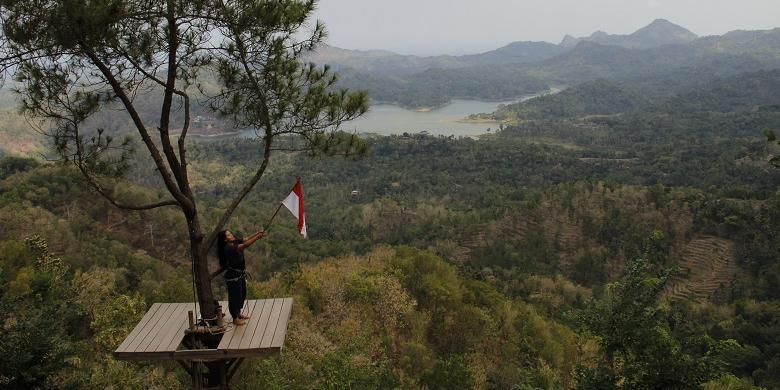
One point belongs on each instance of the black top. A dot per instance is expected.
(235, 261)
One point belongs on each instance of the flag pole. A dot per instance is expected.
(268, 225)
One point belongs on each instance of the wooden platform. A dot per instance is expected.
(159, 334)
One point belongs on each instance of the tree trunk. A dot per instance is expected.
(200, 267)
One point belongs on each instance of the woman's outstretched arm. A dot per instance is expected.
(251, 240)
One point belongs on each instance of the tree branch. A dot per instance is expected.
(165, 112)
(266, 153)
(240, 197)
(182, 200)
(79, 163)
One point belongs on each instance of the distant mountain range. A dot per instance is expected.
(658, 33)
(662, 58)
(386, 63)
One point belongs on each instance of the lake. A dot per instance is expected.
(387, 119)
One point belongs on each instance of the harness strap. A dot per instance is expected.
(242, 274)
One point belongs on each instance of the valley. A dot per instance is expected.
(599, 213)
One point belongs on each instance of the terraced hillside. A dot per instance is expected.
(708, 264)
(469, 241)
(565, 214)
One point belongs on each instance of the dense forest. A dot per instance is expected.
(620, 234)
(523, 259)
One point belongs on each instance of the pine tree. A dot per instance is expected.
(72, 60)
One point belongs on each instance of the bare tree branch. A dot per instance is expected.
(162, 168)
(240, 197)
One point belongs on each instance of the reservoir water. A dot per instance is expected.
(387, 119)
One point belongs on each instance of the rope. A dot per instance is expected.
(195, 304)
(192, 276)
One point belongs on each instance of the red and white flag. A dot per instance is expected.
(294, 203)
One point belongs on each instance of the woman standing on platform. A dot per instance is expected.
(230, 251)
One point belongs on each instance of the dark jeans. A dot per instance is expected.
(236, 296)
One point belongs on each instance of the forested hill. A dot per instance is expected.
(461, 263)
(754, 92)
(507, 261)
(599, 97)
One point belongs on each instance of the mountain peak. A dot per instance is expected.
(569, 41)
(663, 27)
(661, 22)
(658, 33)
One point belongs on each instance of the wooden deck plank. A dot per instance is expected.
(174, 343)
(141, 324)
(172, 329)
(249, 328)
(281, 327)
(272, 322)
(162, 320)
(237, 332)
(150, 326)
(253, 325)
(160, 331)
(262, 324)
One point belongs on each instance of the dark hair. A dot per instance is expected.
(221, 248)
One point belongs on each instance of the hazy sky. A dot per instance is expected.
(468, 26)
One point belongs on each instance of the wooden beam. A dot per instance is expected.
(185, 366)
(198, 354)
(233, 368)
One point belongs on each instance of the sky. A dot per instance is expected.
(430, 27)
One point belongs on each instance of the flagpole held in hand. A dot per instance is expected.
(294, 203)
(268, 225)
